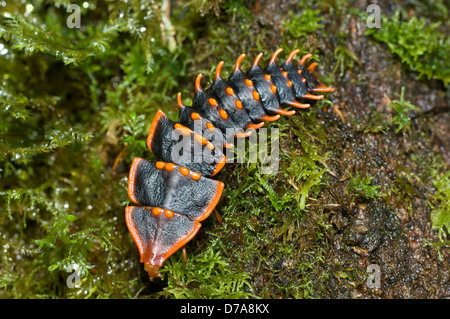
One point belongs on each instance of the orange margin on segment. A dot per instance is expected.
(212, 203)
(152, 130)
(220, 165)
(131, 179)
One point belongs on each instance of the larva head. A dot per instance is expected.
(152, 271)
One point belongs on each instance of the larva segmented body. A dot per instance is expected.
(175, 192)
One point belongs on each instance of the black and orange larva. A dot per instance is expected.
(175, 193)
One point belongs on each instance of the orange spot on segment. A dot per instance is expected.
(248, 82)
(238, 104)
(212, 102)
(285, 74)
(183, 129)
(160, 165)
(195, 176)
(273, 87)
(195, 116)
(170, 166)
(223, 114)
(184, 171)
(256, 95)
(209, 126)
(229, 91)
(199, 138)
(156, 211)
(290, 83)
(204, 141)
(168, 213)
(268, 77)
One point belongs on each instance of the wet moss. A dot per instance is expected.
(300, 25)
(361, 187)
(440, 215)
(402, 119)
(417, 43)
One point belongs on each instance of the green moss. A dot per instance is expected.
(208, 275)
(53, 39)
(402, 119)
(440, 215)
(345, 59)
(300, 25)
(383, 122)
(403, 188)
(361, 187)
(307, 167)
(418, 44)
